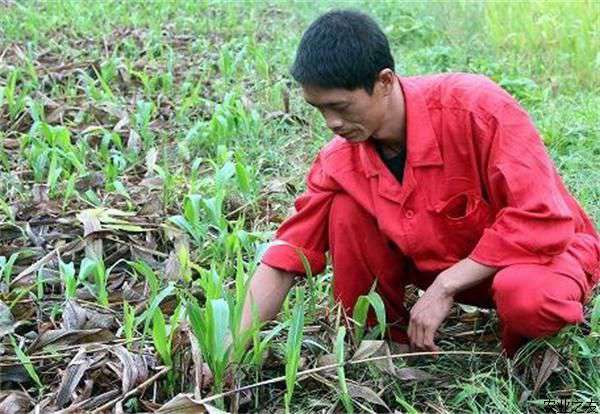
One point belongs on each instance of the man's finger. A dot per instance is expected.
(410, 333)
(428, 338)
(420, 337)
(414, 336)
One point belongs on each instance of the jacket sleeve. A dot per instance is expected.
(306, 231)
(534, 222)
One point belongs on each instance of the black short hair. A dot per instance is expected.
(342, 49)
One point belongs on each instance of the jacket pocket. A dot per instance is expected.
(458, 222)
(465, 208)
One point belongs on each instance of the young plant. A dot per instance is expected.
(95, 267)
(185, 263)
(14, 101)
(67, 275)
(51, 155)
(162, 336)
(69, 190)
(191, 221)
(26, 363)
(151, 278)
(142, 117)
(39, 283)
(211, 328)
(54, 172)
(128, 323)
(293, 347)
(260, 346)
(101, 278)
(226, 62)
(6, 266)
(8, 212)
(339, 356)
(311, 282)
(360, 313)
(148, 314)
(595, 318)
(236, 303)
(246, 178)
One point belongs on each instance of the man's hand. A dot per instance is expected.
(433, 307)
(426, 316)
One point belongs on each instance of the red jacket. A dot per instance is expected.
(478, 183)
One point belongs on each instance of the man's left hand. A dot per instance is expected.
(433, 307)
(426, 316)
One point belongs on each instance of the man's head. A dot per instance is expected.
(346, 70)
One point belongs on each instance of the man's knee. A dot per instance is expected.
(535, 301)
(348, 219)
(514, 297)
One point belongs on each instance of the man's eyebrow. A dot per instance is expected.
(325, 104)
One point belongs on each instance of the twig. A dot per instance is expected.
(137, 246)
(77, 408)
(133, 391)
(326, 367)
(102, 346)
(467, 333)
(47, 258)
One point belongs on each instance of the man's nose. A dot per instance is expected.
(333, 122)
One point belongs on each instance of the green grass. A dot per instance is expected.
(177, 129)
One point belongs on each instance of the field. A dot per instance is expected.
(149, 150)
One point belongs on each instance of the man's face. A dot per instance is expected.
(352, 114)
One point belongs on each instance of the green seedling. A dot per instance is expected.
(142, 117)
(360, 313)
(11, 96)
(26, 363)
(94, 275)
(148, 314)
(191, 220)
(292, 350)
(67, 275)
(339, 356)
(162, 336)
(6, 266)
(211, 328)
(39, 283)
(128, 323)
(149, 275)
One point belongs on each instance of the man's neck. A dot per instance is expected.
(389, 152)
(392, 136)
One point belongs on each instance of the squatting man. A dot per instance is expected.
(440, 181)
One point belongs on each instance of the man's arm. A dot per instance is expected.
(304, 233)
(463, 275)
(268, 289)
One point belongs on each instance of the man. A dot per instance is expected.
(440, 181)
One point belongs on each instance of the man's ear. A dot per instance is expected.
(385, 81)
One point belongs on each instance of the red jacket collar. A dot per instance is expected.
(421, 141)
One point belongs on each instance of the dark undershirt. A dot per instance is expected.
(394, 164)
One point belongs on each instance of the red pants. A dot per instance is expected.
(531, 300)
